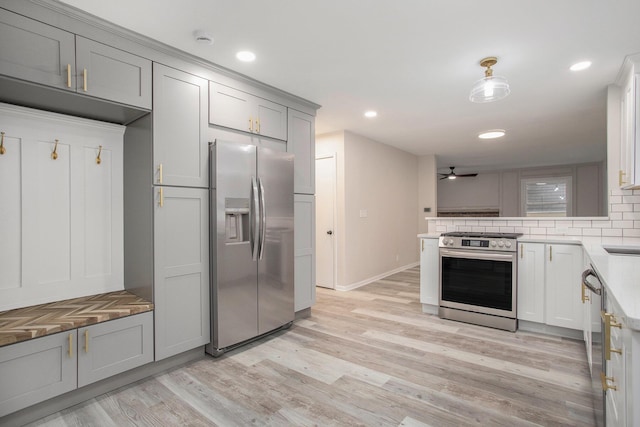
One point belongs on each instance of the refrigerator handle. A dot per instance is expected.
(255, 219)
(263, 219)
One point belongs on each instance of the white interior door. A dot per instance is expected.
(325, 221)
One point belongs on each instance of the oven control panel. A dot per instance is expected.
(479, 243)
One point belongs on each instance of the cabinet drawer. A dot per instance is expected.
(36, 370)
(108, 348)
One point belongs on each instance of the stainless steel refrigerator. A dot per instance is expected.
(251, 211)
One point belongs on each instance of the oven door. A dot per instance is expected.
(479, 281)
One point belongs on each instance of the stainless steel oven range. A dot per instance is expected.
(478, 278)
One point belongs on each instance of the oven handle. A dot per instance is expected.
(494, 256)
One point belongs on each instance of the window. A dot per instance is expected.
(546, 196)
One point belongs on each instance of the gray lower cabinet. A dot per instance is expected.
(108, 348)
(36, 370)
(235, 109)
(39, 369)
(40, 53)
(181, 270)
(113, 74)
(36, 52)
(180, 147)
(302, 143)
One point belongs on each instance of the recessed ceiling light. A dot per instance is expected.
(491, 134)
(370, 114)
(579, 66)
(246, 56)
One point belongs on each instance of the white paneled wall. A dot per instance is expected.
(61, 218)
(623, 221)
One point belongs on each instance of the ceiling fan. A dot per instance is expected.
(453, 175)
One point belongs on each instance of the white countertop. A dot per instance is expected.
(620, 273)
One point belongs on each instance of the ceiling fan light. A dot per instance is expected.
(492, 134)
(489, 89)
(451, 177)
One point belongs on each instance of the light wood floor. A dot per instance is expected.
(365, 357)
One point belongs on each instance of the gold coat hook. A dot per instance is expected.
(54, 155)
(2, 149)
(98, 160)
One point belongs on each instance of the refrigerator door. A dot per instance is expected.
(276, 255)
(234, 275)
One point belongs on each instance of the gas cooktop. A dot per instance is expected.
(486, 235)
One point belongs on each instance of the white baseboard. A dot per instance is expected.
(361, 283)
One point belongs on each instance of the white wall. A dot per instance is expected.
(427, 190)
(377, 205)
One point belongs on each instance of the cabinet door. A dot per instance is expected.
(616, 369)
(429, 272)
(302, 143)
(112, 74)
(37, 370)
(33, 51)
(231, 108)
(531, 283)
(305, 255)
(180, 147)
(108, 348)
(563, 286)
(272, 119)
(181, 270)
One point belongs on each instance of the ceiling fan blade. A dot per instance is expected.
(467, 174)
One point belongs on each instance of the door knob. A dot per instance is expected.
(329, 232)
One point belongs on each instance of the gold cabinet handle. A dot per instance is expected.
(621, 173)
(550, 253)
(258, 125)
(2, 149)
(54, 154)
(71, 345)
(584, 295)
(68, 75)
(160, 173)
(86, 341)
(250, 124)
(161, 194)
(84, 79)
(609, 321)
(605, 382)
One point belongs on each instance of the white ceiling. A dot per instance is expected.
(414, 61)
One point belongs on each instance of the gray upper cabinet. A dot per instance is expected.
(235, 109)
(180, 146)
(302, 144)
(109, 73)
(33, 51)
(40, 53)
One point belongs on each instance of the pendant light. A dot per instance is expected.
(490, 88)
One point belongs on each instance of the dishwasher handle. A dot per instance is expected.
(589, 272)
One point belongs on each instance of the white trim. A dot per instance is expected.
(375, 278)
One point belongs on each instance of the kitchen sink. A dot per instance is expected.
(622, 250)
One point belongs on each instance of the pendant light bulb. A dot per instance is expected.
(490, 88)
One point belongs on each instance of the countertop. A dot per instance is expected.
(36, 321)
(620, 274)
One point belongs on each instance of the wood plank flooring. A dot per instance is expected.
(366, 357)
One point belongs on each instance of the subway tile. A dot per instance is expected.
(592, 232)
(537, 231)
(616, 192)
(636, 207)
(497, 223)
(492, 229)
(630, 199)
(621, 208)
(631, 232)
(622, 224)
(507, 230)
(636, 224)
(478, 229)
(601, 224)
(574, 231)
(615, 199)
(459, 222)
(582, 224)
(464, 228)
(529, 223)
(441, 228)
(471, 222)
(514, 223)
(631, 215)
(611, 232)
(556, 232)
(546, 224)
(523, 230)
(615, 215)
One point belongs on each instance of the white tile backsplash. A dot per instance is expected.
(624, 220)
